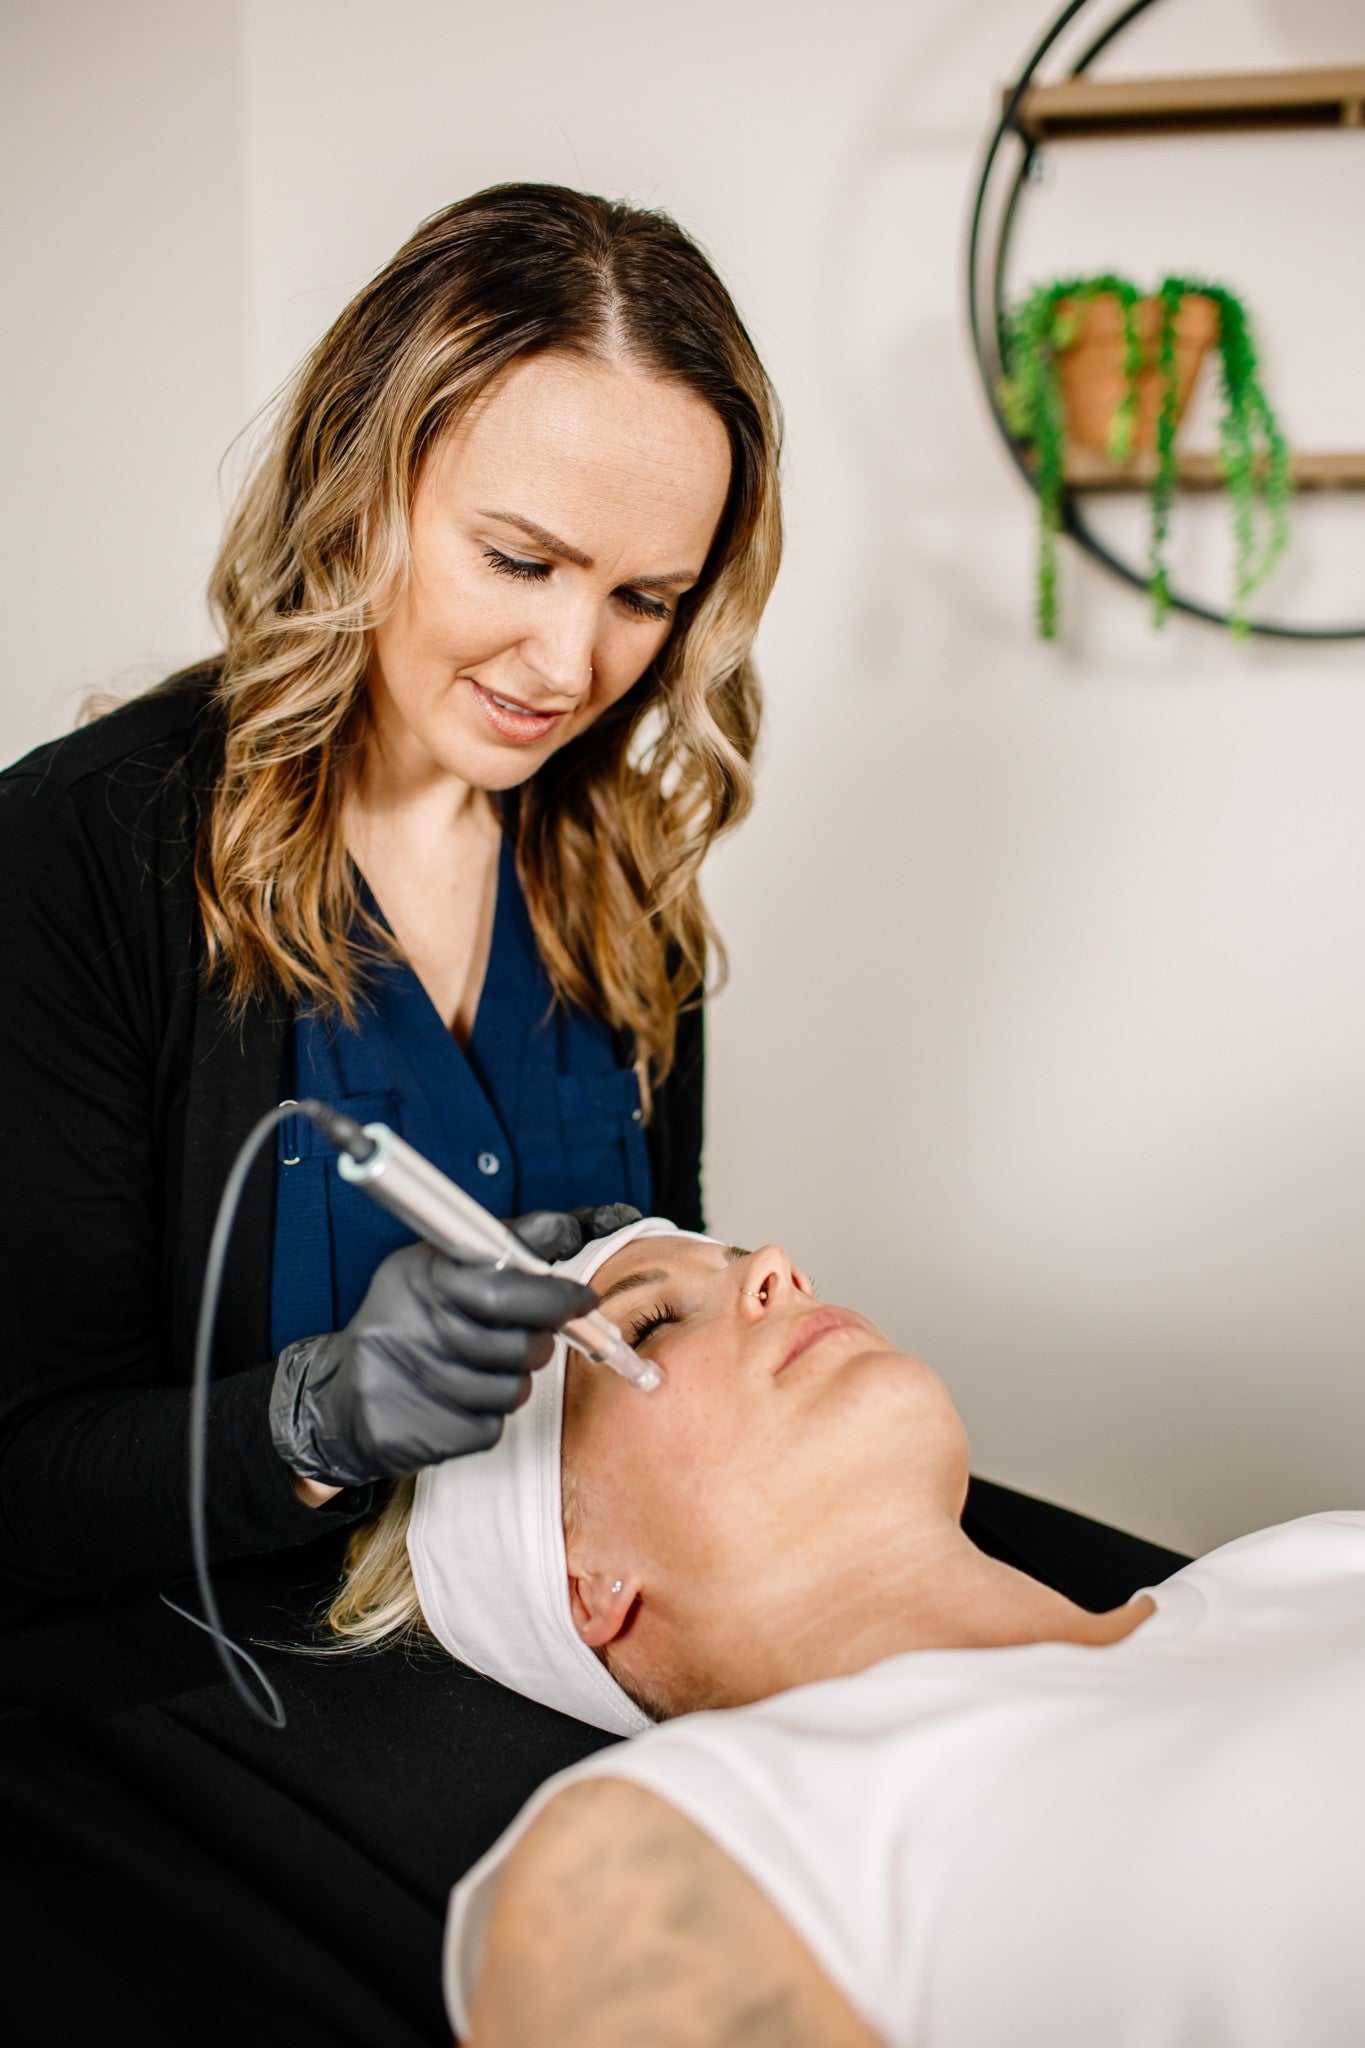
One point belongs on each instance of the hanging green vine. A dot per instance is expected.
(1252, 455)
(1163, 483)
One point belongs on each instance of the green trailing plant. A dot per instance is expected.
(1252, 455)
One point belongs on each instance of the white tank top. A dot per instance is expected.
(1155, 1844)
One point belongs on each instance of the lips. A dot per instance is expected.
(821, 1322)
(518, 723)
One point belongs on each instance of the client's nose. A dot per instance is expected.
(767, 1278)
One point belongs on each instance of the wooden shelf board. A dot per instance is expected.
(1312, 470)
(1327, 97)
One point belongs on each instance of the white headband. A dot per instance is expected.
(486, 1540)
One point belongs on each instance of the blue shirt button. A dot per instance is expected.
(488, 1162)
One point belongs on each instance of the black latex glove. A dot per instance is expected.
(554, 1234)
(434, 1358)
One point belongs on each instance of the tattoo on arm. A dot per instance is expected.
(618, 1924)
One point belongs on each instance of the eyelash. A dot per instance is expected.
(536, 572)
(650, 1320)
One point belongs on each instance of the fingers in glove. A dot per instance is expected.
(453, 1343)
(601, 1222)
(486, 1353)
(479, 1393)
(480, 1433)
(552, 1234)
(506, 1300)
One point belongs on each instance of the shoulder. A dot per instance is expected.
(132, 774)
(160, 725)
(618, 1920)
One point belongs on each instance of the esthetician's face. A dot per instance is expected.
(553, 530)
(784, 1427)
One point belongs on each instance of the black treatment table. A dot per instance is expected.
(175, 1871)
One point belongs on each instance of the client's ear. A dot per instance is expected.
(600, 1605)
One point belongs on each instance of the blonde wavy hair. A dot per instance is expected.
(612, 829)
(376, 1603)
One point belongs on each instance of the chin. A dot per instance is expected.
(888, 1432)
(467, 751)
(880, 1387)
(498, 768)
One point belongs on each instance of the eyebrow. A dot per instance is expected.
(676, 579)
(655, 1276)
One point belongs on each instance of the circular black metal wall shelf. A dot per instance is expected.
(1316, 101)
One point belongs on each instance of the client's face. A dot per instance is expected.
(765, 1466)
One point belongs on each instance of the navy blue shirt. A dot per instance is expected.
(539, 1113)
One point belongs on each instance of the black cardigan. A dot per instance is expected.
(127, 1091)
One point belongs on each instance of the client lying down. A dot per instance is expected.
(913, 1795)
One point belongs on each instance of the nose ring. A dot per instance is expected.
(755, 1293)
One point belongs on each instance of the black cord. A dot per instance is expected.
(272, 1716)
(347, 1136)
(230, 1654)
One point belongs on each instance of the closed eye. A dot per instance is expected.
(648, 1323)
(512, 565)
(643, 607)
(522, 571)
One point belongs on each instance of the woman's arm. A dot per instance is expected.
(99, 974)
(617, 1922)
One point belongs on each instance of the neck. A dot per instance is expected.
(398, 784)
(913, 1589)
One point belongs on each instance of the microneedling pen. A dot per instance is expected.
(376, 1159)
(397, 1177)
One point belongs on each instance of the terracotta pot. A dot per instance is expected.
(1091, 368)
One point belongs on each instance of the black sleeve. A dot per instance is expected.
(676, 1128)
(93, 1408)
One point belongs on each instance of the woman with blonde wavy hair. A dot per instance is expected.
(423, 840)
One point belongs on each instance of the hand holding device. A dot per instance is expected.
(433, 1359)
(397, 1176)
(437, 1354)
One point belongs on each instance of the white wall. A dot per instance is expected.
(120, 135)
(1044, 1036)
